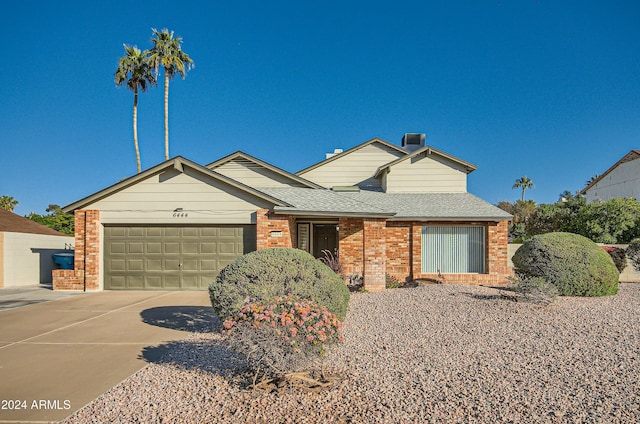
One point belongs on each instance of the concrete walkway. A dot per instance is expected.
(57, 356)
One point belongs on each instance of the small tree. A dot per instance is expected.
(56, 219)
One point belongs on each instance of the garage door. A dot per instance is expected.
(171, 258)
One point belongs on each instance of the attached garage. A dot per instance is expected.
(171, 257)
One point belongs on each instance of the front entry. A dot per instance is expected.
(325, 237)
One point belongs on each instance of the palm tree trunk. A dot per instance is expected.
(166, 115)
(523, 189)
(135, 127)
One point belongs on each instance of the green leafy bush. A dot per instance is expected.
(633, 253)
(262, 275)
(286, 335)
(392, 282)
(574, 264)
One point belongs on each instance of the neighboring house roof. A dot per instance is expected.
(351, 150)
(245, 156)
(178, 163)
(394, 206)
(428, 151)
(12, 223)
(632, 155)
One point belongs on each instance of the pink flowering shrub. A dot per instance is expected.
(283, 336)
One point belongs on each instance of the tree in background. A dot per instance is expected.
(8, 203)
(135, 70)
(56, 219)
(167, 52)
(525, 183)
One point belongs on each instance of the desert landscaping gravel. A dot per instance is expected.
(433, 353)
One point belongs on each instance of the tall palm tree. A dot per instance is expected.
(167, 52)
(135, 70)
(8, 203)
(525, 183)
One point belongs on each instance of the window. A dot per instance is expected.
(453, 249)
(303, 236)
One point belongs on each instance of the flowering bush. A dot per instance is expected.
(284, 336)
(618, 255)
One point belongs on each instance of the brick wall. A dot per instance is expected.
(497, 265)
(374, 235)
(86, 272)
(274, 230)
(350, 245)
(399, 238)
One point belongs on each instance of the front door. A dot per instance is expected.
(325, 237)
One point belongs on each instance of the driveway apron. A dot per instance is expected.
(55, 357)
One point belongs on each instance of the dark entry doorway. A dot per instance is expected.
(325, 237)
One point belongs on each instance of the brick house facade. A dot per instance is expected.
(383, 209)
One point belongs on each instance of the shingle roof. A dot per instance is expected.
(396, 206)
(443, 206)
(322, 202)
(12, 223)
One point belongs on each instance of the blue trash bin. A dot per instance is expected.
(64, 260)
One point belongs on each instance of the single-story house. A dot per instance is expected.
(384, 209)
(26, 250)
(621, 180)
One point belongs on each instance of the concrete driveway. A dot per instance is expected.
(57, 356)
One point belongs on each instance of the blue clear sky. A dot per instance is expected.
(546, 89)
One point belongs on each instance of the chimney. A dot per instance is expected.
(413, 141)
(335, 152)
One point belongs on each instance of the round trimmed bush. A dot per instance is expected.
(573, 263)
(262, 275)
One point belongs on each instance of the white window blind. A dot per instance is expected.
(453, 249)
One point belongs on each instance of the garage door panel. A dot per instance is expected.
(171, 258)
(172, 248)
(154, 247)
(190, 248)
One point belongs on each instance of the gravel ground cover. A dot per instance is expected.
(434, 353)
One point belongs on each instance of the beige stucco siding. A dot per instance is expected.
(27, 257)
(426, 174)
(355, 168)
(254, 175)
(203, 200)
(623, 181)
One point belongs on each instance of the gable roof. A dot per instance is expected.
(353, 149)
(245, 156)
(429, 151)
(632, 155)
(12, 223)
(178, 163)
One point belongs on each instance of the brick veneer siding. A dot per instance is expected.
(266, 222)
(497, 262)
(86, 272)
(375, 262)
(351, 245)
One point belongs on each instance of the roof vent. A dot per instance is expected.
(413, 141)
(335, 152)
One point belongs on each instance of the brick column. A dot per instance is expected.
(86, 272)
(375, 256)
(350, 245)
(273, 230)
(497, 249)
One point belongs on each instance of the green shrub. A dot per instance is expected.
(574, 264)
(534, 289)
(633, 253)
(392, 282)
(262, 275)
